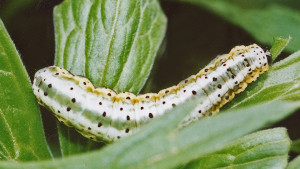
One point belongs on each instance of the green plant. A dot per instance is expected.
(133, 32)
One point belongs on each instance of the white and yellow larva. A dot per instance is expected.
(101, 114)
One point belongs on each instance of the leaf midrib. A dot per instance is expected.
(114, 27)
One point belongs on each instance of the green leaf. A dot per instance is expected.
(278, 45)
(263, 19)
(296, 146)
(113, 43)
(160, 145)
(207, 135)
(267, 148)
(22, 135)
(280, 83)
(294, 164)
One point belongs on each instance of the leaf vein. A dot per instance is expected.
(10, 133)
(111, 39)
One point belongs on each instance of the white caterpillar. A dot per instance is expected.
(101, 114)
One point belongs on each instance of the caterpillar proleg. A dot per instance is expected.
(103, 115)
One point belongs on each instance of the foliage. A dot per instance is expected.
(262, 19)
(22, 136)
(115, 43)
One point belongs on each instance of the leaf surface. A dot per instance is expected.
(113, 43)
(21, 130)
(160, 145)
(294, 164)
(267, 148)
(278, 45)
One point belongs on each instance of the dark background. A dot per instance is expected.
(194, 37)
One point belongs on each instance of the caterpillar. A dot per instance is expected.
(103, 115)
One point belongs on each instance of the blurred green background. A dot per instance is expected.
(195, 35)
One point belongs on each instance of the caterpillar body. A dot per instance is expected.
(103, 115)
